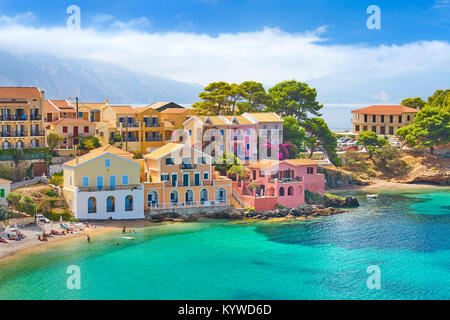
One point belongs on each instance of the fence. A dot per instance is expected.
(192, 204)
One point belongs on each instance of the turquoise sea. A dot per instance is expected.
(407, 235)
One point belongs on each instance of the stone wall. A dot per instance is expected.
(185, 212)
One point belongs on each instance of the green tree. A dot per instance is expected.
(117, 138)
(431, 128)
(14, 200)
(440, 99)
(416, 103)
(292, 132)
(387, 159)
(53, 141)
(318, 129)
(371, 142)
(27, 205)
(6, 172)
(293, 98)
(234, 96)
(215, 99)
(89, 143)
(255, 98)
(225, 162)
(237, 170)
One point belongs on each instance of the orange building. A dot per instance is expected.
(180, 176)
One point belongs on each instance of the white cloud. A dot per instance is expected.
(25, 18)
(269, 55)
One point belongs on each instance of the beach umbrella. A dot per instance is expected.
(7, 229)
(15, 226)
(60, 218)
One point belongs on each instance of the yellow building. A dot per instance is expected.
(383, 120)
(91, 111)
(58, 109)
(22, 122)
(104, 184)
(140, 129)
(179, 176)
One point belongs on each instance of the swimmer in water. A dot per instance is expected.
(117, 243)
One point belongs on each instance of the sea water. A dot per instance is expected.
(406, 235)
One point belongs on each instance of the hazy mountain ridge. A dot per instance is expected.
(91, 81)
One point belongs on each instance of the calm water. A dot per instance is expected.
(407, 235)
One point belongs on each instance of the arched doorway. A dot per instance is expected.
(129, 203)
(189, 197)
(152, 199)
(203, 196)
(110, 204)
(174, 197)
(92, 205)
(221, 195)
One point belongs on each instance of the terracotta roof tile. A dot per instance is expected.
(20, 92)
(72, 122)
(385, 110)
(98, 152)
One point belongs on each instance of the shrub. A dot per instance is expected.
(57, 179)
(55, 215)
(6, 172)
(27, 205)
(387, 160)
(312, 196)
(50, 193)
(250, 209)
(14, 199)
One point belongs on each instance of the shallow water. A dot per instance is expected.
(407, 235)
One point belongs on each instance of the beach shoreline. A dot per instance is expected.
(16, 249)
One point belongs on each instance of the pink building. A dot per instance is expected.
(275, 182)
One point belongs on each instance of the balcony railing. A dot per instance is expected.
(37, 133)
(152, 125)
(14, 134)
(190, 204)
(131, 139)
(130, 124)
(110, 188)
(152, 139)
(188, 166)
(35, 117)
(287, 180)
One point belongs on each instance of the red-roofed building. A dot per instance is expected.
(58, 109)
(382, 119)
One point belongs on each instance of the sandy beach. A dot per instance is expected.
(386, 185)
(31, 244)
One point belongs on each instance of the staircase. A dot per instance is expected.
(237, 198)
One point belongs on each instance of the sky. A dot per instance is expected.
(200, 41)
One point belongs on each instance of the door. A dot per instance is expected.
(75, 131)
(174, 180)
(197, 179)
(185, 180)
(112, 182)
(49, 117)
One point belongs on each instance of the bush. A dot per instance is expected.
(312, 196)
(50, 193)
(57, 179)
(387, 160)
(250, 209)
(6, 172)
(27, 205)
(55, 215)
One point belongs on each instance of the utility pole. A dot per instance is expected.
(76, 101)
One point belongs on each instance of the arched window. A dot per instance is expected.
(129, 203)
(203, 196)
(189, 197)
(110, 204)
(19, 144)
(6, 145)
(174, 197)
(281, 193)
(35, 143)
(221, 195)
(152, 199)
(92, 205)
(290, 191)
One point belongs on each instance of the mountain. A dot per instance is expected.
(91, 81)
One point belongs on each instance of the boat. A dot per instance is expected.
(372, 196)
(128, 238)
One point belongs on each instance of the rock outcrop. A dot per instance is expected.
(336, 178)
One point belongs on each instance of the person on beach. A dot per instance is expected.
(88, 238)
(124, 230)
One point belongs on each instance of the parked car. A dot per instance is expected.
(354, 147)
(396, 144)
(41, 218)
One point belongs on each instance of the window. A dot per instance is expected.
(70, 180)
(107, 163)
(201, 160)
(261, 173)
(129, 203)
(112, 182)
(110, 204)
(290, 191)
(374, 118)
(364, 128)
(174, 197)
(221, 195)
(264, 127)
(190, 132)
(205, 175)
(100, 183)
(124, 180)
(310, 170)
(92, 205)
(391, 131)
(248, 132)
(357, 128)
(365, 118)
(222, 147)
(85, 181)
(165, 177)
(174, 179)
(169, 161)
(391, 119)
(222, 132)
(281, 192)
(276, 127)
(408, 118)
(65, 130)
(152, 199)
(203, 196)
(185, 179)
(189, 197)
(197, 179)
(399, 119)
(86, 129)
(248, 146)
(382, 118)
(374, 129)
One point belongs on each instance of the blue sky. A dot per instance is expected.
(402, 20)
(325, 43)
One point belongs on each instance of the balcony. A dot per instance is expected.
(287, 180)
(188, 166)
(35, 117)
(129, 125)
(131, 139)
(14, 134)
(37, 133)
(110, 188)
(152, 139)
(152, 124)
(22, 117)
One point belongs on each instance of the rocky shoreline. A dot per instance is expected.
(323, 207)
